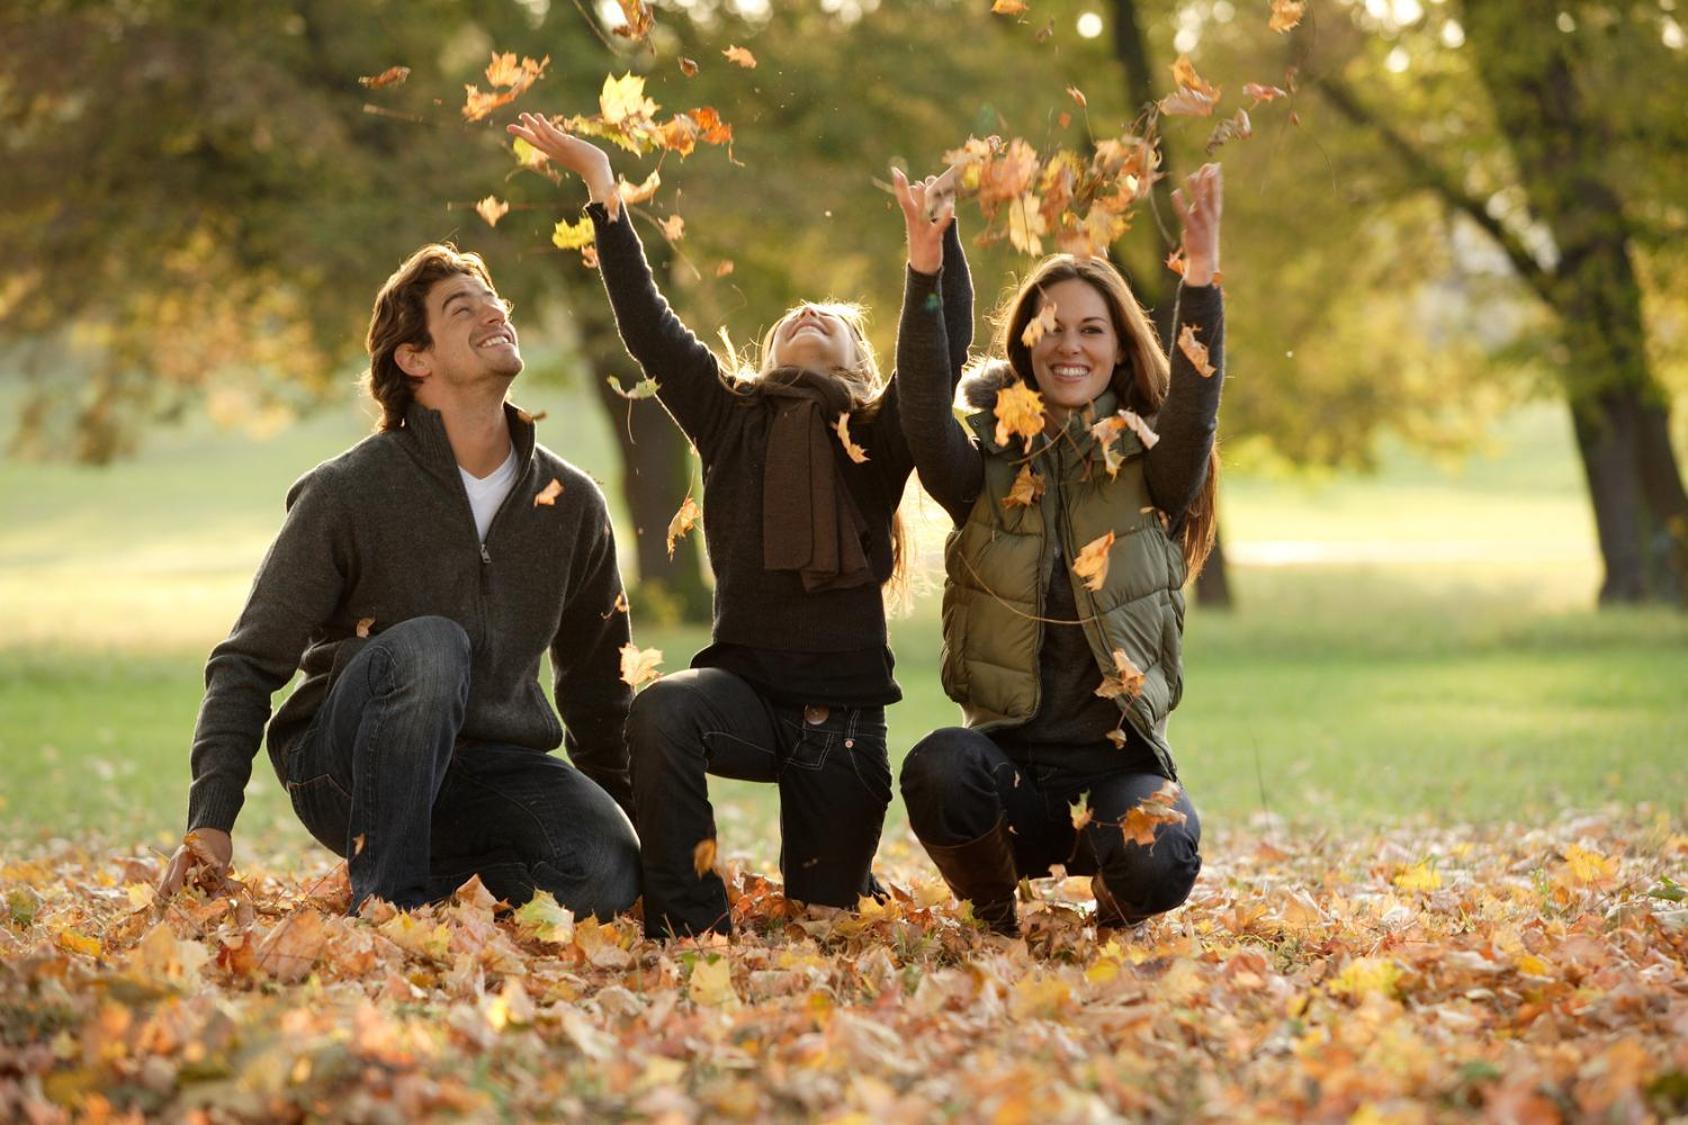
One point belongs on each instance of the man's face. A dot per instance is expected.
(473, 338)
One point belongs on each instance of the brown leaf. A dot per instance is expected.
(492, 209)
(1127, 679)
(688, 67)
(392, 76)
(842, 429)
(1092, 562)
(639, 665)
(703, 857)
(684, 520)
(1027, 490)
(547, 496)
(1081, 811)
(1195, 352)
(534, 418)
(1192, 96)
(1237, 127)
(724, 267)
(364, 624)
(1261, 93)
(1117, 737)
(638, 16)
(1136, 425)
(1040, 325)
(1150, 813)
(740, 56)
(1106, 432)
(1286, 14)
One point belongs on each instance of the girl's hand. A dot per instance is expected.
(925, 227)
(1199, 203)
(584, 159)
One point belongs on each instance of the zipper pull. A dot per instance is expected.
(486, 556)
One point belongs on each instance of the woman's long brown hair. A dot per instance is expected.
(1140, 381)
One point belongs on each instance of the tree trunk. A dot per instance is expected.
(1213, 584)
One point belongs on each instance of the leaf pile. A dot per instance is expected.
(1518, 973)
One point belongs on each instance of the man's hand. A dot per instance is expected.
(1198, 213)
(928, 209)
(203, 847)
(583, 158)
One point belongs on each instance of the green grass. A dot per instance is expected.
(1406, 645)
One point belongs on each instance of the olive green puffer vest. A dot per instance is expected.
(998, 563)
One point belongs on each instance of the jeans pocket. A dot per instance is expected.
(809, 743)
(324, 808)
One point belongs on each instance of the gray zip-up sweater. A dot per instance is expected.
(385, 531)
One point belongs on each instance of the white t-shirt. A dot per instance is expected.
(487, 493)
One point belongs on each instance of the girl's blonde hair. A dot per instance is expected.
(1140, 381)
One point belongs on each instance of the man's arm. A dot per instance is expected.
(298, 586)
(586, 657)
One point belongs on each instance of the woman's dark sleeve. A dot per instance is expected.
(1176, 467)
(950, 466)
(687, 374)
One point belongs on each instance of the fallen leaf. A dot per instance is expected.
(544, 919)
(492, 209)
(1195, 352)
(644, 388)
(1127, 679)
(363, 626)
(1018, 410)
(1286, 14)
(1154, 810)
(740, 56)
(703, 857)
(547, 496)
(1040, 325)
(638, 665)
(572, 236)
(1092, 562)
(392, 76)
(684, 520)
(842, 429)
(1027, 489)
(711, 983)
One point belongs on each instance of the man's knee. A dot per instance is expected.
(429, 657)
(666, 717)
(1152, 880)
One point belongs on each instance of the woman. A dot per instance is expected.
(802, 536)
(1065, 676)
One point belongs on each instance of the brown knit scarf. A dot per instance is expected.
(810, 521)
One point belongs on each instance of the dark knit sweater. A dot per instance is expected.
(826, 646)
(385, 531)
(951, 467)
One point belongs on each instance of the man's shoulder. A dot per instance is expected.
(576, 482)
(375, 453)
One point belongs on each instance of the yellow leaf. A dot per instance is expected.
(639, 20)
(1193, 97)
(644, 388)
(1008, 7)
(1418, 877)
(1534, 966)
(1092, 562)
(1039, 997)
(1106, 432)
(528, 156)
(544, 919)
(1286, 14)
(723, 267)
(638, 194)
(1081, 811)
(1587, 868)
(80, 943)
(572, 236)
(684, 520)
(638, 665)
(1027, 490)
(842, 428)
(739, 56)
(1195, 352)
(1367, 976)
(1026, 223)
(711, 983)
(703, 857)
(1018, 410)
(623, 99)
(492, 209)
(547, 496)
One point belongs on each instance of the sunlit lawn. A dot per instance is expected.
(1417, 644)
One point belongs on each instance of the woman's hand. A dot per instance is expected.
(583, 158)
(1199, 203)
(203, 847)
(928, 210)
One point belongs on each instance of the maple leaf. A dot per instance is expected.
(492, 209)
(1018, 410)
(1237, 127)
(291, 949)
(1261, 93)
(638, 194)
(639, 21)
(542, 918)
(644, 388)
(547, 496)
(1154, 810)
(363, 626)
(711, 983)
(1027, 489)
(842, 429)
(505, 71)
(1286, 14)
(1040, 325)
(1192, 97)
(572, 236)
(740, 56)
(1127, 679)
(1008, 7)
(1195, 352)
(688, 67)
(703, 856)
(638, 665)
(684, 520)
(623, 99)
(673, 228)
(392, 76)
(1092, 562)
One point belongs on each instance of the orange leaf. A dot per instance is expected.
(684, 520)
(1195, 352)
(638, 665)
(740, 56)
(1008, 7)
(1092, 562)
(673, 228)
(842, 428)
(1127, 679)
(1040, 325)
(1175, 261)
(723, 267)
(532, 419)
(703, 857)
(1193, 97)
(688, 67)
(547, 496)
(1027, 490)
(1150, 813)
(1117, 737)
(1286, 14)
(492, 209)
(1018, 410)
(392, 76)
(364, 624)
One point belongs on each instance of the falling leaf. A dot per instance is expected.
(620, 605)
(842, 429)
(1142, 821)
(504, 71)
(1027, 489)
(1117, 737)
(1286, 14)
(1081, 811)
(688, 67)
(589, 257)
(1092, 562)
(1018, 410)
(542, 918)
(1040, 325)
(1127, 679)
(684, 520)
(739, 56)
(1175, 261)
(637, 15)
(631, 194)
(358, 842)
(1026, 224)
(624, 98)
(638, 665)
(547, 496)
(1136, 425)
(1195, 352)
(703, 857)
(1077, 95)
(1237, 127)
(572, 236)
(673, 228)
(644, 388)
(1261, 93)
(1008, 7)
(724, 267)
(392, 76)
(364, 625)
(1106, 432)
(492, 209)
(528, 156)
(1192, 97)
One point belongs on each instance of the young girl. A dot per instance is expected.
(1065, 680)
(802, 537)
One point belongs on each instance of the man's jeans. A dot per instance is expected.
(958, 783)
(833, 775)
(382, 779)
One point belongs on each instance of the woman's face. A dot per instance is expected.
(813, 339)
(1073, 362)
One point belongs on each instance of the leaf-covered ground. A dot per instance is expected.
(1516, 973)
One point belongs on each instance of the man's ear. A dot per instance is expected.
(413, 361)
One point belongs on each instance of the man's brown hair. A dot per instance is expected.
(400, 317)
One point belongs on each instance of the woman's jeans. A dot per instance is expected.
(382, 779)
(958, 784)
(830, 764)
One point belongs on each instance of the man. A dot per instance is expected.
(421, 575)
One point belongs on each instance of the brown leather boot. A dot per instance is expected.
(1110, 915)
(982, 872)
